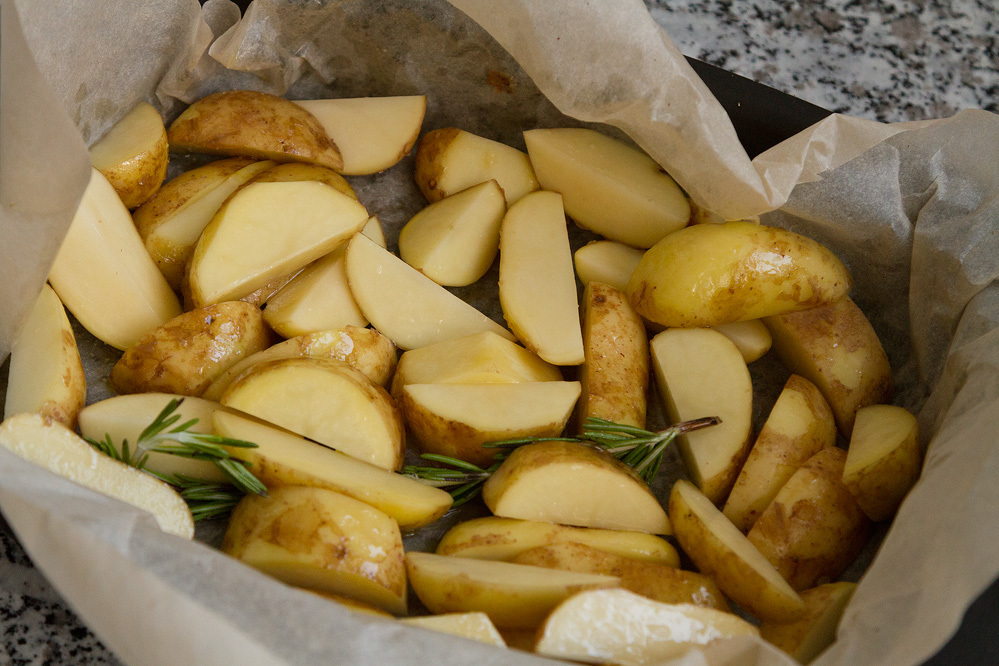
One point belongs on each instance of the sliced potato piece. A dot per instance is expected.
(512, 595)
(257, 297)
(573, 484)
(408, 307)
(474, 626)
(608, 186)
(751, 337)
(294, 172)
(606, 261)
(808, 637)
(51, 445)
(352, 604)
(133, 155)
(373, 230)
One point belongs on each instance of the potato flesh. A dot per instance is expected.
(474, 626)
(808, 637)
(133, 154)
(884, 459)
(751, 337)
(294, 172)
(607, 261)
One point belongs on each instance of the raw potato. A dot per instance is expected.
(372, 133)
(325, 400)
(721, 551)
(285, 459)
(808, 637)
(46, 374)
(295, 172)
(363, 349)
(701, 373)
(408, 307)
(537, 287)
(495, 538)
(512, 595)
(253, 124)
(373, 230)
(799, 426)
(352, 604)
(884, 459)
(454, 241)
(321, 540)
(654, 580)
(450, 160)
(607, 261)
(186, 354)
(615, 373)
(750, 336)
(835, 348)
(474, 626)
(257, 297)
(133, 155)
(620, 627)
(573, 484)
(608, 186)
(51, 445)
(457, 419)
(103, 274)
(814, 528)
(711, 274)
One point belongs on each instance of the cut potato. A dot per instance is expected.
(711, 274)
(51, 445)
(325, 400)
(608, 186)
(46, 374)
(495, 538)
(372, 133)
(408, 307)
(253, 124)
(751, 337)
(573, 484)
(608, 262)
(512, 595)
(620, 627)
(321, 540)
(835, 348)
(133, 155)
(257, 297)
(450, 160)
(267, 230)
(285, 459)
(884, 459)
(537, 288)
(457, 419)
(701, 373)
(721, 551)
(104, 275)
(454, 241)
(808, 637)
(474, 626)
(294, 172)
(352, 604)
(373, 230)
(799, 426)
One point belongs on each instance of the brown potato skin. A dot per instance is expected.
(881, 487)
(298, 171)
(139, 178)
(814, 528)
(187, 353)
(801, 639)
(428, 156)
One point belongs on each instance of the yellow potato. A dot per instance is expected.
(294, 172)
(133, 155)
(808, 637)
(711, 274)
(373, 230)
(750, 336)
(352, 604)
(474, 626)
(607, 261)
(884, 459)
(257, 297)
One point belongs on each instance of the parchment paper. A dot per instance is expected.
(914, 217)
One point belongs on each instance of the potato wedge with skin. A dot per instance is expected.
(321, 540)
(371, 133)
(606, 261)
(512, 595)
(103, 274)
(253, 124)
(814, 528)
(620, 627)
(608, 186)
(285, 459)
(257, 297)
(46, 374)
(133, 155)
(701, 373)
(573, 484)
(495, 538)
(50, 444)
(352, 604)
(711, 274)
(808, 637)
(294, 172)
(799, 426)
(654, 580)
(835, 348)
(884, 459)
(474, 626)
(750, 336)
(325, 400)
(721, 551)
(454, 241)
(457, 419)
(537, 287)
(187, 353)
(405, 305)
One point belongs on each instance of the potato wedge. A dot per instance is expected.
(474, 626)
(133, 155)
(253, 124)
(711, 274)
(322, 540)
(457, 419)
(751, 337)
(808, 637)
(295, 172)
(46, 374)
(608, 186)
(573, 484)
(373, 230)
(352, 604)
(606, 261)
(884, 459)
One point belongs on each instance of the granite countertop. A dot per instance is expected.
(880, 59)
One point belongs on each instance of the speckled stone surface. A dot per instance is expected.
(888, 61)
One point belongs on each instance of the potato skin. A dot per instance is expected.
(140, 177)
(428, 158)
(298, 171)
